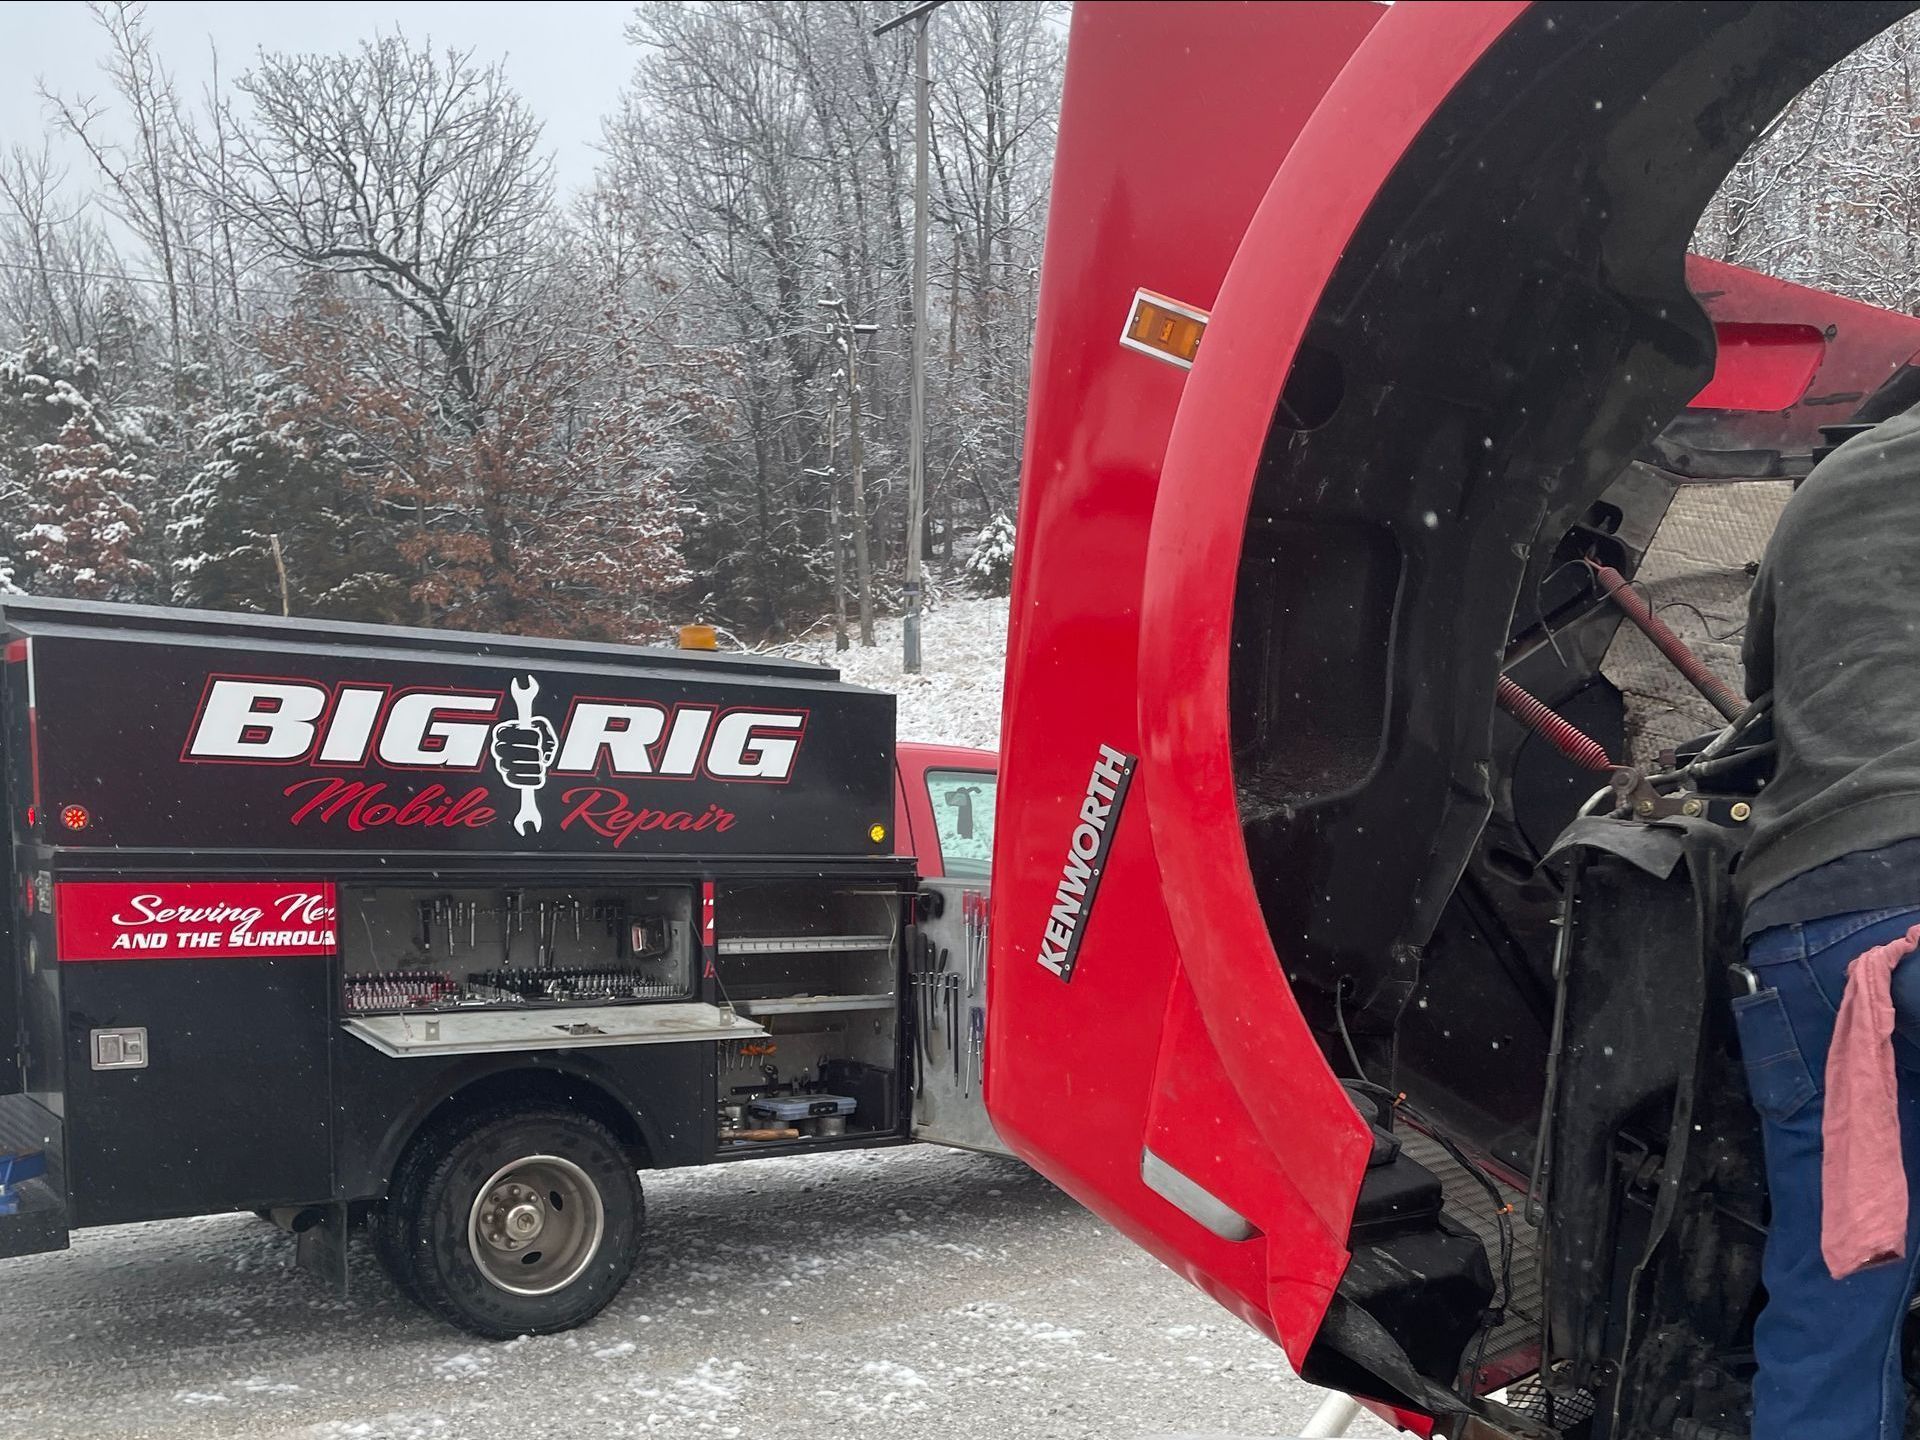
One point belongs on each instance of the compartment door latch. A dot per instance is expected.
(121, 1049)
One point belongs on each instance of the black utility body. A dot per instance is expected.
(298, 911)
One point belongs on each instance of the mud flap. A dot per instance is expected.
(321, 1248)
(33, 1211)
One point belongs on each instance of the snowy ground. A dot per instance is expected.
(900, 1294)
(955, 700)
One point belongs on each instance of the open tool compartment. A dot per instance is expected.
(815, 961)
(478, 968)
(408, 948)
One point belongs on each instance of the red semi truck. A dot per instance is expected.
(453, 934)
(1368, 348)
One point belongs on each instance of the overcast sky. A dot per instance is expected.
(569, 58)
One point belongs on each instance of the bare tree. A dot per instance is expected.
(144, 173)
(59, 266)
(996, 104)
(1829, 195)
(420, 175)
(353, 320)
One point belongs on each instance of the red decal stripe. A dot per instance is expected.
(194, 919)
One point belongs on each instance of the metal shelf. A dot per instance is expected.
(799, 1004)
(803, 944)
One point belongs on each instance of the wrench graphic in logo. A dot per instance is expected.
(523, 748)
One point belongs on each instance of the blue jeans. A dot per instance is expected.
(1828, 1350)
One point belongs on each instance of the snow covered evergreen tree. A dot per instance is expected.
(990, 566)
(72, 484)
(276, 518)
(81, 528)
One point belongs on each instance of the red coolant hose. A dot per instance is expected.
(1719, 694)
(1578, 746)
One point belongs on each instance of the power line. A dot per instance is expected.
(132, 279)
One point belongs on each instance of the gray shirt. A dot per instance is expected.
(1833, 630)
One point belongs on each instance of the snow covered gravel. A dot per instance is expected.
(903, 1293)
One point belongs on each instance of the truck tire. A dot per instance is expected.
(512, 1221)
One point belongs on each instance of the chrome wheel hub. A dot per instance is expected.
(536, 1225)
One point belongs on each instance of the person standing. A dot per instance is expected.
(1831, 876)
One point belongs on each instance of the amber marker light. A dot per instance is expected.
(1164, 329)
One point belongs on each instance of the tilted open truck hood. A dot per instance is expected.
(1260, 607)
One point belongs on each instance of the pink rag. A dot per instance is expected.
(1863, 1214)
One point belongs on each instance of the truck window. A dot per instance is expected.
(963, 815)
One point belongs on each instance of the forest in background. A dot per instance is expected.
(324, 340)
(1830, 195)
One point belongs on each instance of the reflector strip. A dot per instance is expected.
(1194, 1200)
(20, 652)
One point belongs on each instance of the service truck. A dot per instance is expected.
(454, 934)
(1375, 399)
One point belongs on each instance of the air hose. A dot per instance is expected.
(1718, 693)
(1571, 741)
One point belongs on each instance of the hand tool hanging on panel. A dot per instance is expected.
(977, 1048)
(974, 908)
(950, 993)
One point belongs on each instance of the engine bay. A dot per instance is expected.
(1561, 1079)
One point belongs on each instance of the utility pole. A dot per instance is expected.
(840, 641)
(832, 476)
(846, 334)
(917, 437)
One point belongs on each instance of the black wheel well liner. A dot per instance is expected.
(528, 1082)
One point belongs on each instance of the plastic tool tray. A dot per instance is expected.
(789, 1108)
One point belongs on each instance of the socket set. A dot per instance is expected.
(520, 986)
(400, 990)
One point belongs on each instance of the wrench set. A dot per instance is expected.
(948, 1000)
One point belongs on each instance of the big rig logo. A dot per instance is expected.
(354, 725)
